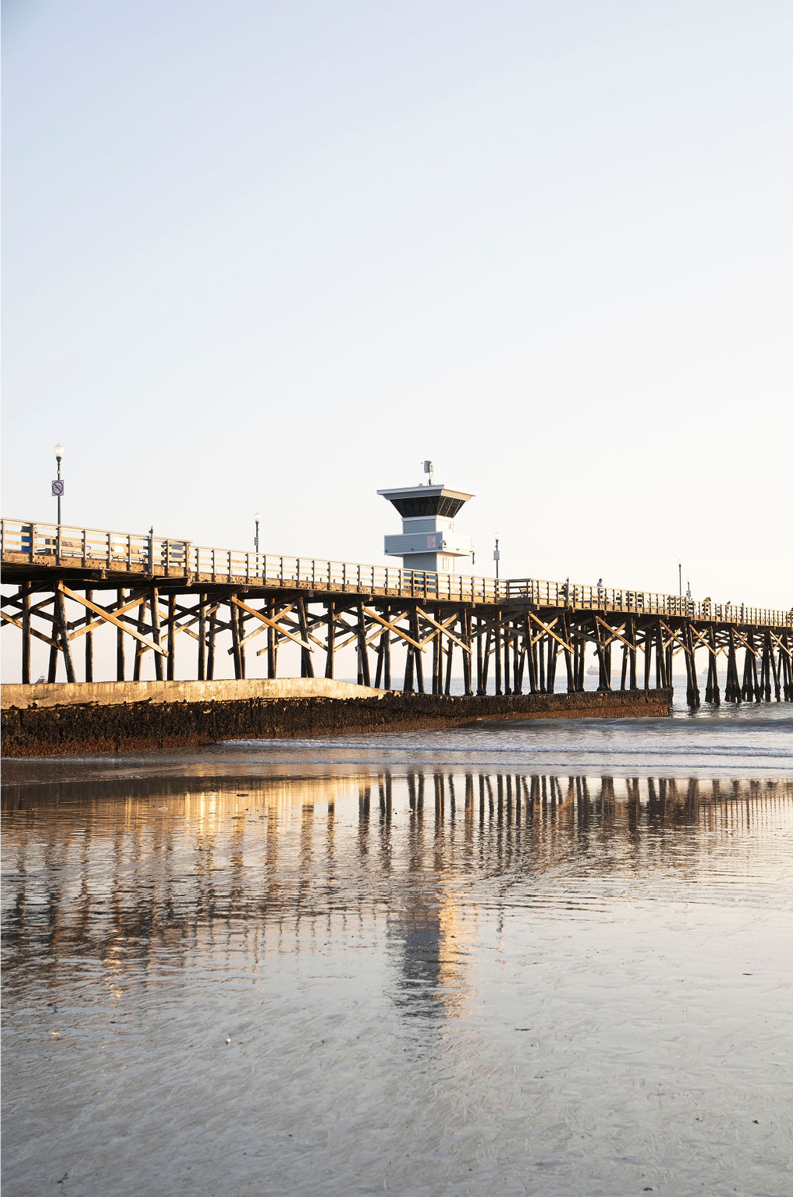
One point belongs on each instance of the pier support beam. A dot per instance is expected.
(512, 647)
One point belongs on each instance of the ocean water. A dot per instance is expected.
(510, 958)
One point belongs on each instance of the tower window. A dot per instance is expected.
(428, 505)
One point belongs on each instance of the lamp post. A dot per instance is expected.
(680, 579)
(57, 486)
(256, 518)
(497, 553)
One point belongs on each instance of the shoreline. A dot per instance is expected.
(74, 729)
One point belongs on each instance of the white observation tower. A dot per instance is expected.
(428, 540)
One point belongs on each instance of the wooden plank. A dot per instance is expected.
(465, 617)
(36, 609)
(330, 638)
(25, 626)
(779, 642)
(447, 690)
(89, 646)
(702, 640)
(64, 634)
(549, 629)
(135, 599)
(33, 631)
(211, 645)
(193, 613)
(202, 635)
(744, 642)
(185, 628)
(241, 627)
(271, 623)
(272, 642)
(235, 639)
(386, 646)
(616, 633)
(371, 637)
(531, 659)
(402, 635)
(154, 607)
(111, 619)
(306, 666)
(443, 627)
(417, 662)
(171, 636)
(363, 657)
(52, 673)
(568, 655)
(674, 637)
(120, 673)
(139, 649)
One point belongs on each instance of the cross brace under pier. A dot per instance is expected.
(513, 649)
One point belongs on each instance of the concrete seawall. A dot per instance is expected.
(108, 694)
(78, 728)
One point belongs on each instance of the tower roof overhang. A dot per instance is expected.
(426, 500)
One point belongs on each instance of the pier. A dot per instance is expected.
(169, 597)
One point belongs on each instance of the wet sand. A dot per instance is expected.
(264, 970)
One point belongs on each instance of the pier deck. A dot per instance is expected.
(163, 588)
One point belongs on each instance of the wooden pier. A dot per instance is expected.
(162, 596)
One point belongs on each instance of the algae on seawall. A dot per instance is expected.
(76, 729)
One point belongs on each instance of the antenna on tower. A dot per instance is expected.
(428, 469)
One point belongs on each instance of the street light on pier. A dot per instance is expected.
(257, 517)
(497, 553)
(57, 485)
(680, 579)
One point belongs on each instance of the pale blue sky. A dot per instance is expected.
(271, 256)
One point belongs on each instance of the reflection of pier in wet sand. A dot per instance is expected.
(173, 860)
(471, 974)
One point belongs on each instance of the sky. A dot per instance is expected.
(270, 256)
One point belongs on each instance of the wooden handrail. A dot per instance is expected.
(29, 541)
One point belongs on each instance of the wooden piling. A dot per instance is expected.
(120, 668)
(154, 603)
(330, 638)
(89, 640)
(26, 586)
(202, 636)
(63, 633)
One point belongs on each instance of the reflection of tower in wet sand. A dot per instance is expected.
(431, 942)
(430, 931)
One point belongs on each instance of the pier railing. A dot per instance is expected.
(24, 542)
